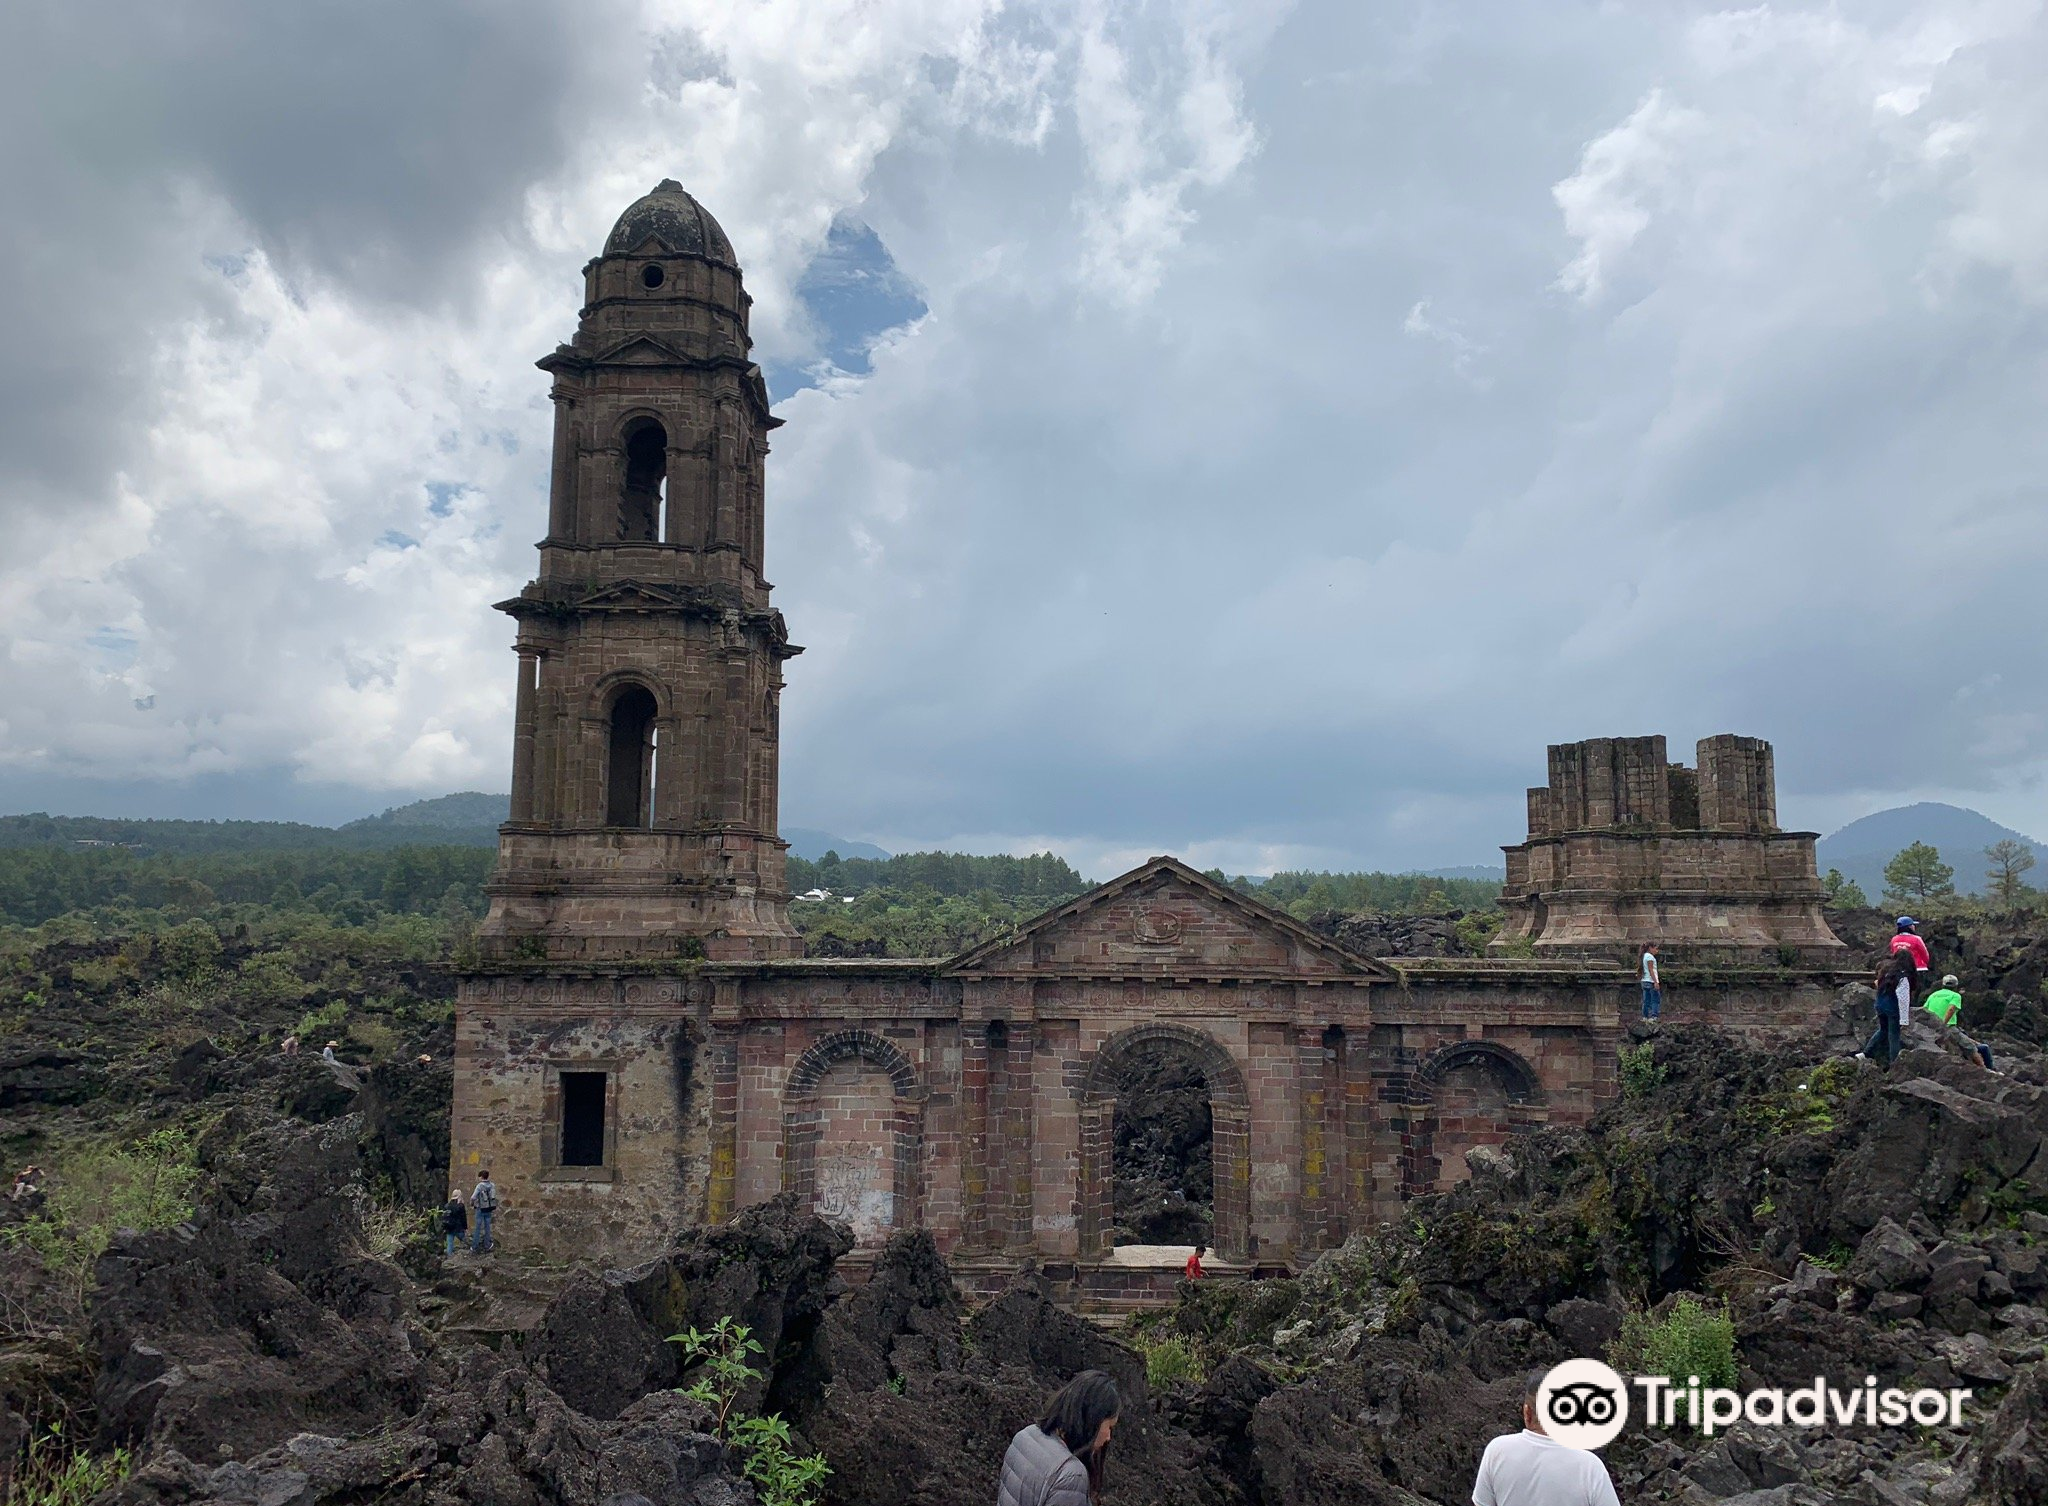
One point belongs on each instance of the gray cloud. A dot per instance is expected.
(1168, 525)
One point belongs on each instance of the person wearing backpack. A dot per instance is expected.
(484, 1204)
(454, 1222)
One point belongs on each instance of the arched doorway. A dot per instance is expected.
(1125, 1060)
(1473, 1093)
(853, 1134)
(1162, 1167)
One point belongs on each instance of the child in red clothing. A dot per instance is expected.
(1194, 1267)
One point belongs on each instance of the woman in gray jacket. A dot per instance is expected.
(1058, 1460)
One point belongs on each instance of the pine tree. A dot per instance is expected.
(1917, 875)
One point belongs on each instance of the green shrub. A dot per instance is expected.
(316, 1025)
(54, 1474)
(270, 978)
(147, 1185)
(1641, 1075)
(189, 950)
(1170, 1360)
(1688, 1341)
(779, 1476)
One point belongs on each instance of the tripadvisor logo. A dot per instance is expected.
(1584, 1404)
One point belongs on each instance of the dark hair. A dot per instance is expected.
(1077, 1414)
(1531, 1385)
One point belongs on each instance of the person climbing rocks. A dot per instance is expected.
(1894, 985)
(1530, 1468)
(289, 1046)
(1653, 983)
(454, 1222)
(27, 1183)
(484, 1204)
(327, 1051)
(1907, 939)
(1945, 1004)
(1194, 1265)
(1059, 1460)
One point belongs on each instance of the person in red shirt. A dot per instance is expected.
(1908, 941)
(1194, 1266)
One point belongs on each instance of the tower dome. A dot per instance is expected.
(668, 214)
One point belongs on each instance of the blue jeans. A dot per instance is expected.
(1883, 1044)
(452, 1240)
(1653, 1000)
(480, 1238)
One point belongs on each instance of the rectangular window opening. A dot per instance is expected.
(583, 1118)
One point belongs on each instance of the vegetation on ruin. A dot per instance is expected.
(53, 1472)
(722, 1353)
(1690, 1340)
(94, 1191)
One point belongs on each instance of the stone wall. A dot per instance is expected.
(980, 1107)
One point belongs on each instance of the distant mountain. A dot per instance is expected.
(1862, 848)
(468, 818)
(812, 845)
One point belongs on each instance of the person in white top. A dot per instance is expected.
(1530, 1468)
(1653, 985)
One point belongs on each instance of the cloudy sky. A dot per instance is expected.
(1248, 430)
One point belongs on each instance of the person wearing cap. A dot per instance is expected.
(1945, 1004)
(1907, 939)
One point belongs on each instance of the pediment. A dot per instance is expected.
(1166, 920)
(641, 350)
(633, 596)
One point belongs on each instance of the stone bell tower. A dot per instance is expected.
(643, 819)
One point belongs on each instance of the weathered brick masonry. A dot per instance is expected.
(641, 1049)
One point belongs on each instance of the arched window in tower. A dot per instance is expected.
(629, 768)
(640, 502)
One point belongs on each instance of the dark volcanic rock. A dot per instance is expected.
(260, 1319)
(911, 1408)
(604, 1340)
(496, 1436)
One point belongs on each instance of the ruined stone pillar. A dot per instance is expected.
(524, 714)
(725, 1114)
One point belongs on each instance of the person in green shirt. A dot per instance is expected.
(1946, 1005)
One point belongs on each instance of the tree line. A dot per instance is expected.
(1916, 877)
(351, 887)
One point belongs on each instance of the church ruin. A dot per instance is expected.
(642, 1046)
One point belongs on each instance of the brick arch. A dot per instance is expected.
(1429, 1142)
(803, 1119)
(1519, 1078)
(609, 686)
(1230, 1135)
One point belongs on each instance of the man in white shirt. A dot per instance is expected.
(1653, 983)
(1530, 1468)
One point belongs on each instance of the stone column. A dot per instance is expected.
(725, 1113)
(562, 479)
(974, 1122)
(524, 716)
(1018, 1156)
(724, 478)
(1313, 1207)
